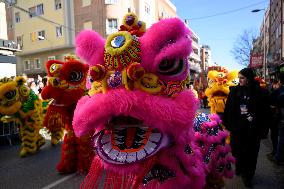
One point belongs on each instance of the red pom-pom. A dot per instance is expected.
(97, 72)
(135, 71)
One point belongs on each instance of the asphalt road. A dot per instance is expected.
(34, 172)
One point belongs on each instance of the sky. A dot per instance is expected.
(221, 32)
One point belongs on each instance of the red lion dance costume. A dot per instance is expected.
(142, 114)
(66, 84)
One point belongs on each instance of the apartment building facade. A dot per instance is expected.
(206, 58)
(261, 47)
(165, 9)
(194, 58)
(7, 48)
(264, 34)
(46, 29)
(105, 17)
(275, 56)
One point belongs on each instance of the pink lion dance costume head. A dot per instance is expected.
(140, 110)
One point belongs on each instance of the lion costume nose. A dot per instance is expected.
(55, 82)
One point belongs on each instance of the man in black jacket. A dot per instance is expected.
(278, 103)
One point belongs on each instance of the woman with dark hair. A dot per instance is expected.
(245, 117)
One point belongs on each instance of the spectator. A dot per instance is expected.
(40, 86)
(190, 87)
(44, 81)
(273, 126)
(275, 85)
(278, 103)
(203, 98)
(34, 87)
(245, 117)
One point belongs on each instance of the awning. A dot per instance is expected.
(8, 59)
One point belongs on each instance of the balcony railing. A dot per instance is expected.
(194, 56)
(195, 45)
(9, 45)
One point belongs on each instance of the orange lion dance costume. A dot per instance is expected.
(218, 90)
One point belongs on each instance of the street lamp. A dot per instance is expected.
(257, 10)
(264, 39)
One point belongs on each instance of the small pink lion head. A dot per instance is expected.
(138, 105)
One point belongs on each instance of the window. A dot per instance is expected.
(88, 25)
(11, 2)
(17, 17)
(147, 8)
(111, 2)
(86, 3)
(39, 9)
(51, 58)
(41, 35)
(20, 41)
(58, 4)
(32, 12)
(111, 26)
(58, 31)
(37, 63)
(36, 10)
(27, 65)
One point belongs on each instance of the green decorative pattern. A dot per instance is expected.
(29, 104)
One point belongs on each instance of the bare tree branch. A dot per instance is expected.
(243, 46)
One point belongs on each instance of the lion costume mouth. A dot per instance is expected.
(127, 140)
(219, 93)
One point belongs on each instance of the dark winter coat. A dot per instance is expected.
(258, 108)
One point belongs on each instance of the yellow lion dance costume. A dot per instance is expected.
(218, 90)
(20, 104)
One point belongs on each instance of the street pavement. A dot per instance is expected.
(38, 171)
(267, 176)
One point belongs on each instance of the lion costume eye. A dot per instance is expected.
(171, 67)
(221, 75)
(235, 81)
(75, 76)
(210, 82)
(55, 68)
(10, 95)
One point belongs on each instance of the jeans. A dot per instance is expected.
(245, 148)
(279, 156)
(274, 135)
